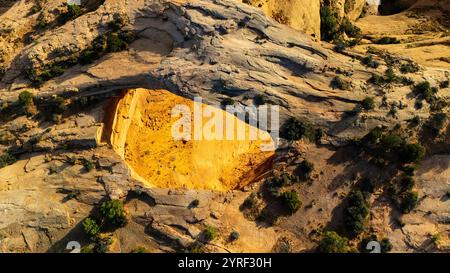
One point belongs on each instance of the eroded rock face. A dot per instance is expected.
(299, 14)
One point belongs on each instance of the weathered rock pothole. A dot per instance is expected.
(141, 133)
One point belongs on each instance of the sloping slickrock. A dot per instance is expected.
(213, 49)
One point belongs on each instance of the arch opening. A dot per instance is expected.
(389, 7)
(141, 132)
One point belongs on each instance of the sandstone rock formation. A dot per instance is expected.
(301, 15)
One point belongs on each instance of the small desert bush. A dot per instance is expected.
(409, 201)
(304, 169)
(368, 103)
(329, 24)
(356, 213)
(331, 242)
(296, 129)
(210, 233)
(291, 201)
(339, 83)
(88, 165)
(370, 62)
(6, 159)
(409, 67)
(387, 40)
(424, 91)
(114, 213)
(91, 228)
(140, 250)
(411, 153)
(26, 101)
(348, 28)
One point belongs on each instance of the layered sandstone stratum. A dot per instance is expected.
(86, 97)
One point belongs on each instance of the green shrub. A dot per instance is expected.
(118, 22)
(386, 245)
(47, 72)
(227, 101)
(88, 56)
(411, 153)
(406, 81)
(368, 103)
(391, 143)
(87, 249)
(35, 9)
(304, 169)
(140, 250)
(329, 24)
(390, 76)
(370, 62)
(348, 28)
(210, 233)
(58, 105)
(115, 43)
(6, 159)
(41, 23)
(387, 40)
(102, 244)
(407, 183)
(376, 79)
(409, 201)
(367, 185)
(340, 46)
(114, 213)
(26, 101)
(438, 120)
(88, 165)
(195, 203)
(331, 242)
(409, 67)
(91, 228)
(26, 98)
(73, 11)
(339, 83)
(259, 100)
(408, 169)
(353, 42)
(296, 129)
(196, 248)
(415, 121)
(347, 6)
(373, 137)
(424, 90)
(291, 201)
(444, 84)
(234, 236)
(356, 213)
